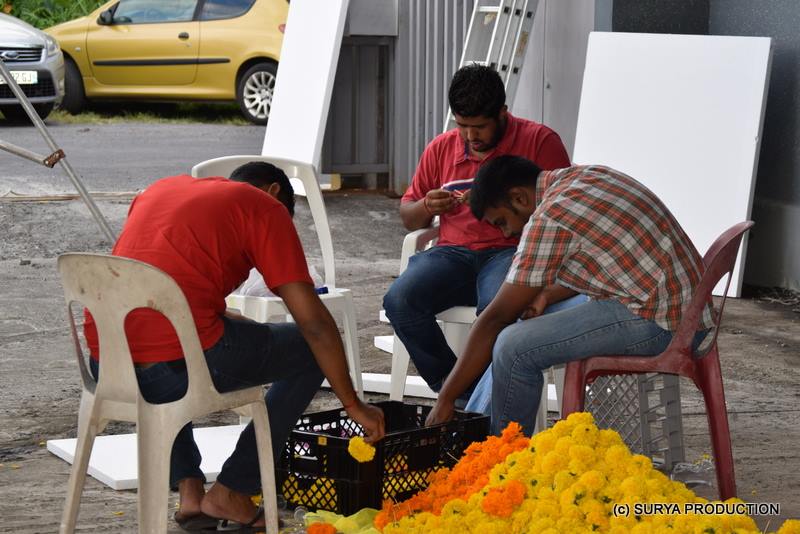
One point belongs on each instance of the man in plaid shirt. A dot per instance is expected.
(588, 229)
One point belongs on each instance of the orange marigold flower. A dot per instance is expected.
(501, 501)
(466, 478)
(321, 528)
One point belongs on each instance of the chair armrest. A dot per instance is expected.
(417, 241)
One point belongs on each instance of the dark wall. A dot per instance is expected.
(780, 146)
(661, 16)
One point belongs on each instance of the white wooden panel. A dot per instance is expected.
(683, 115)
(306, 72)
(114, 459)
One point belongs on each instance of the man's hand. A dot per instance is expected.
(442, 412)
(438, 201)
(370, 418)
(536, 308)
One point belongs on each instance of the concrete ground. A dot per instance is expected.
(39, 382)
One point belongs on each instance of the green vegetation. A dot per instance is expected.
(184, 112)
(45, 13)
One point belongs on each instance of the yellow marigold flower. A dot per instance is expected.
(639, 465)
(634, 487)
(564, 444)
(790, 526)
(544, 442)
(585, 434)
(553, 462)
(616, 456)
(360, 449)
(593, 480)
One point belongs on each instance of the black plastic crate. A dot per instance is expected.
(316, 471)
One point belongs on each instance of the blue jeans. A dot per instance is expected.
(525, 349)
(436, 280)
(481, 399)
(248, 354)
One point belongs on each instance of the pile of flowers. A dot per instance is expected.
(571, 478)
(466, 478)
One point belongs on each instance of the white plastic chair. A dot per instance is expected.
(455, 323)
(339, 301)
(110, 287)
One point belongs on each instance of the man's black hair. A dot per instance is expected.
(261, 173)
(476, 91)
(496, 177)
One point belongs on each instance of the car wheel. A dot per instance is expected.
(17, 113)
(74, 96)
(255, 91)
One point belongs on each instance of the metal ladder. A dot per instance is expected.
(498, 37)
(56, 156)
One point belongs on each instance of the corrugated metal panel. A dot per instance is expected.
(428, 50)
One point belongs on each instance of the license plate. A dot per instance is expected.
(23, 77)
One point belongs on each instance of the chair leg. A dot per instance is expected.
(400, 359)
(559, 371)
(154, 445)
(541, 414)
(574, 389)
(266, 464)
(351, 342)
(87, 430)
(713, 394)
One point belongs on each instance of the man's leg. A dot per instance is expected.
(252, 354)
(525, 349)
(167, 382)
(434, 281)
(481, 399)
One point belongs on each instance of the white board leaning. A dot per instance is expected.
(683, 115)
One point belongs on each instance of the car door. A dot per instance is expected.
(145, 43)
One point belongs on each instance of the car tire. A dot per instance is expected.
(16, 114)
(255, 90)
(74, 96)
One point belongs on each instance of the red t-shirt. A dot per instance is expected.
(206, 234)
(447, 159)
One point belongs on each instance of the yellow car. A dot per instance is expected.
(168, 50)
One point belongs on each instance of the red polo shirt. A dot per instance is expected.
(206, 234)
(447, 158)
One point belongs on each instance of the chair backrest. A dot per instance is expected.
(304, 181)
(719, 261)
(110, 287)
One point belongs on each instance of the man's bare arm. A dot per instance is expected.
(322, 335)
(504, 310)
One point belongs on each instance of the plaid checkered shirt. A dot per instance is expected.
(607, 236)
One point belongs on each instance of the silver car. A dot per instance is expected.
(37, 64)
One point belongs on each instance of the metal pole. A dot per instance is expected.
(37, 121)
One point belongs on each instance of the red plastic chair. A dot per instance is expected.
(678, 359)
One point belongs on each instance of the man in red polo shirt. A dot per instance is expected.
(471, 258)
(207, 234)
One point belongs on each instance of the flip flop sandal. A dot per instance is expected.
(196, 522)
(229, 525)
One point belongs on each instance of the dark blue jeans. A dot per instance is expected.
(248, 354)
(435, 280)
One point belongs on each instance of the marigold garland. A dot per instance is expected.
(566, 479)
(360, 449)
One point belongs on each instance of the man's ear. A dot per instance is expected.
(273, 189)
(521, 197)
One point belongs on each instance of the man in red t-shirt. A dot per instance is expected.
(207, 234)
(471, 258)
